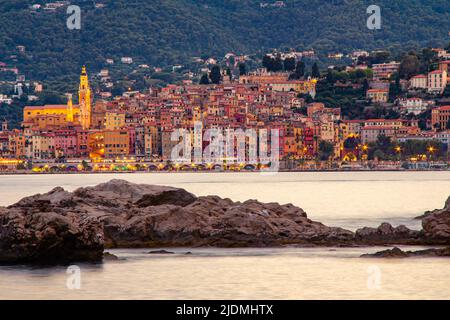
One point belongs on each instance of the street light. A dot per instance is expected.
(431, 149)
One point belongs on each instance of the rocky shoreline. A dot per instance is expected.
(398, 253)
(62, 226)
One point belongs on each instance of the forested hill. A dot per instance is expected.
(159, 32)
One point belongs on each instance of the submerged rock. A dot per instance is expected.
(387, 234)
(398, 253)
(110, 257)
(161, 252)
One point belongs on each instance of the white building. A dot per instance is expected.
(5, 99)
(437, 81)
(419, 82)
(126, 60)
(413, 105)
(385, 70)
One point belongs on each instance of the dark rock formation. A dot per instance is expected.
(435, 231)
(436, 225)
(161, 252)
(35, 231)
(62, 225)
(110, 257)
(76, 225)
(398, 253)
(387, 234)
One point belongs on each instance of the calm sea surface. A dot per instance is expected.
(349, 200)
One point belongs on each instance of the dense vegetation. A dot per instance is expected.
(385, 149)
(161, 32)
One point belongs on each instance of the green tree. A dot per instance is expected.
(330, 76)
(379, 154)
(215, 75)
(326, 150)
(268, 62)
(204, 79)
(289, 64)
(446, 93)
(427, 58)
(409, 66)
(394, 87)
(365, 85)
(315, 72)
(52, 97)
(299, 71)
(384, 143)
(448, 47)
(242, 69)
(85, 165)
(278, 64)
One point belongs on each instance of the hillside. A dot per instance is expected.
(160, 32)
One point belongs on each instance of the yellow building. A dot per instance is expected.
(114, 120)
(60, 115)
(50, 115)
(43, 146)
(298, 86)
(84, 100)
(378, 95)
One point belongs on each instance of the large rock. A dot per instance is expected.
(142, 215)
(436, 225)
(35, 231)
(67, 226)
(63, 225)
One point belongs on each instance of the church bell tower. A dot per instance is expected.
(70, 116)
(84, 100)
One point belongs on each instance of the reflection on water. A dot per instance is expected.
(288, 273)
(349, 200)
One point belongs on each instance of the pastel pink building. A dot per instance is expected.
(66, 143)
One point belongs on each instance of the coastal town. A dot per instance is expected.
(203, 156)
(404, 122)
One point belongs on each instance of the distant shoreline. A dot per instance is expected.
(220, 171)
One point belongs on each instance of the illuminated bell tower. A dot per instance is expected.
(69, 108)
(84, 100)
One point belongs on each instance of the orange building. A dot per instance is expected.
(117, 143)
(17, 143)
(440, 117)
